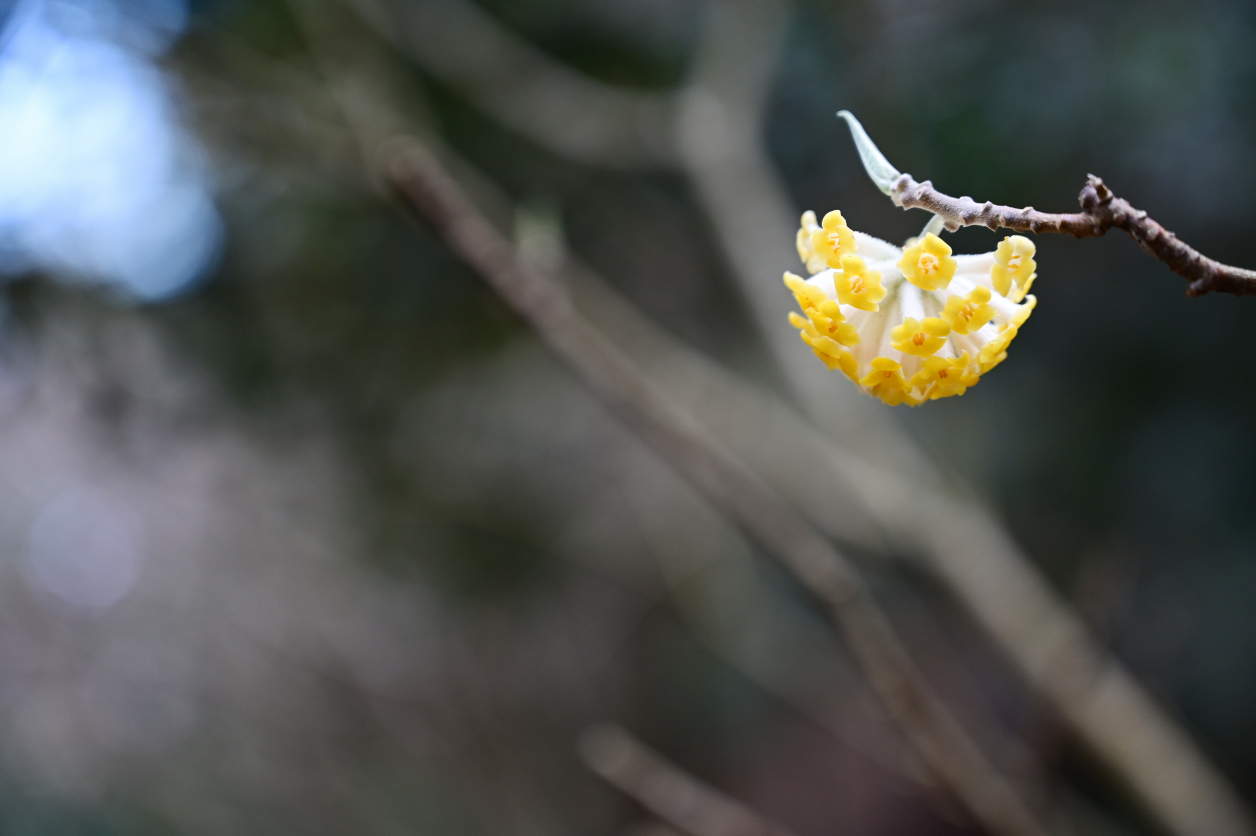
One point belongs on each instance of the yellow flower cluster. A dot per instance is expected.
(908, 325)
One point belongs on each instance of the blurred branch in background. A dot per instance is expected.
(1101, 211)
(718, 588)
(665, 790)
(727, 483)
(726, 604)
(961, 542)
(572, 114)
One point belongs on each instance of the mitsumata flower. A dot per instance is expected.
(913, 324)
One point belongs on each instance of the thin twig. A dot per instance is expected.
(1102, 211)
(731, 487)
(667, 791)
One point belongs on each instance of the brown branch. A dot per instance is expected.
(1102, 210)
(665, 790)
(728, 484)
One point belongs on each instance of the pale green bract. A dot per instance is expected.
(874, 162)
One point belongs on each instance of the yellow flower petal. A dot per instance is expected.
(1021, 289)
(1018, 319)
(995, 352)
(808, 295)
(802, 240)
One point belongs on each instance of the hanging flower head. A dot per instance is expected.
(913, 324)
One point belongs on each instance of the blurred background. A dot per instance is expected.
(302, 531)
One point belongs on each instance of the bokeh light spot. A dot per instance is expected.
(97, 180)
(85, 549)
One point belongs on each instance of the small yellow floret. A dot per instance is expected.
(943, 377)
(921, 339)
(832, 354)
(807, 226)
(824, 346)
(833, 240)
(858, 286)
(1013, 260)
(928, 263)
(827, 319)
(966, 315)
(886, 382)
(808, 296)
(995, 352)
